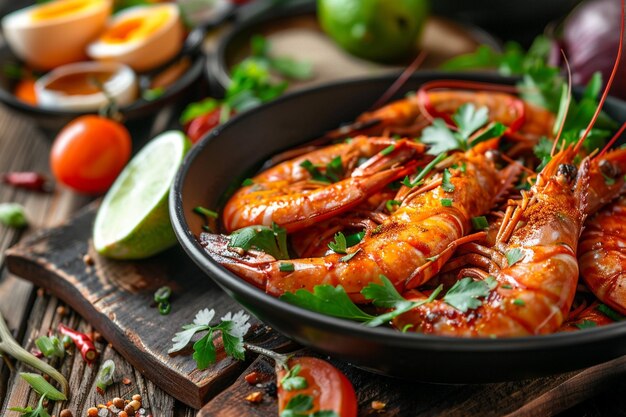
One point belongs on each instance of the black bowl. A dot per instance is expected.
(234, 150)
(140, 109)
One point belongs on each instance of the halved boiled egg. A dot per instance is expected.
(87, 86)
(143, 37)
(55, 33)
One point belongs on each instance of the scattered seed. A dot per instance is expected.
(40, 292)
(88, 260)
(255, 397)
(135, 404)
(118, 403)
(66, 413)
(122, 414)
(378, 405)
(126, 381)
(129, 409)
(137, 397)
(92, 412)
(252, 378)
(61, 310)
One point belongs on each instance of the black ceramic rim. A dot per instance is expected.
(138, 107)
(392, 337)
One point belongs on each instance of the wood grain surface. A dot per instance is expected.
(116, 298)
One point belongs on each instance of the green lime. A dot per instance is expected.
(380, 30)
(133, 221)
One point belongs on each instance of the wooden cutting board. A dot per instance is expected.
(116, 298)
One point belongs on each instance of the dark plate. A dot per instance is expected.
(51, 119)
(234, 150)
(296, 24)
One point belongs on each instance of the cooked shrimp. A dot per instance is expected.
(400, 248)
(533, 263)
(288, 195)
(602, 257)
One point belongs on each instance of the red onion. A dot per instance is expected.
(590, 40)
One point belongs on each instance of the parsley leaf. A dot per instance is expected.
(514, 255)
(480, 223)
(465, 293)
(271, 240)
(350, 256)
(198, 109)
(446, 184)
(334, 169)
(440, 138)
(469, 119)
(291, 381)
(232, 327)
(339, 244)
(494, 130)
(329, 300)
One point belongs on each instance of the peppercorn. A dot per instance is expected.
(135, 404)
(118, 403)
(66, 413)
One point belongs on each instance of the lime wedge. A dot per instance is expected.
(133, 221)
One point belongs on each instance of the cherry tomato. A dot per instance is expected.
(201, 125)
(330, 389)
(89, 153)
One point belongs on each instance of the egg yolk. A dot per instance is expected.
(137, 27)
(63, 8)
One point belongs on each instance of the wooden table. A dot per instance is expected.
(30, 312)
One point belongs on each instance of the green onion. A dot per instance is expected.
(162, 294)
(165, 308)
(446, 184)
(247, 182)
(519, 302)
(286, 267)
(388, 150)
(50, 346)
(422, 174)
(42, 387)
(205, 212)
(355, 238)
(446, 202)
(390, 203)
(12, 215)
(480, 223)
(105, 375)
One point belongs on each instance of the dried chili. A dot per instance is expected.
(82, 341)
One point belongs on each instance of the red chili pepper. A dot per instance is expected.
(28, 180)
(82, 342)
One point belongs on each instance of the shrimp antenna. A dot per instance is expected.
(609, 83)
(399, 82)
(612, 141)
(567, 105)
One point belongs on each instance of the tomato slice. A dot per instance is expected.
(329, 387)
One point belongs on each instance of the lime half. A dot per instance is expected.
(133, 221)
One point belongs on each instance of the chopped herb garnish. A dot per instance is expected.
(339, 244)
(334, 169)
(350, 256)
(271, 240)
(390, 203)
(388, 150)
(314, 171)
(446, 202)
(232, 327)
(480, 223)
(586, 324)
(506, 287)
(153, 93)
(446, 184)
(247, 182)
(205, 212)
(198, 109)
(465, 293)
(300, 406)
(286, 267)
(422, 174)
(406, 328)
(50, 346)
(514, 256)
(291, 381)
(609, 312)
(354, 238)
(519, 302)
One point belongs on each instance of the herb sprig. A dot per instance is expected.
(271, 240)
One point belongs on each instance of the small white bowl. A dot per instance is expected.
(121, 86)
